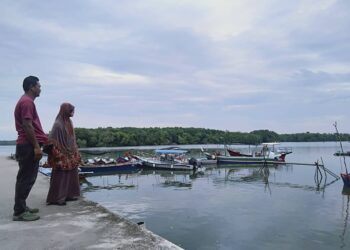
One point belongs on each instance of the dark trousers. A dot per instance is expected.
(27, 173)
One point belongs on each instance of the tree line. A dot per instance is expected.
(7, 143)
(130, 136)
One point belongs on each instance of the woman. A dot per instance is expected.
(64, 159)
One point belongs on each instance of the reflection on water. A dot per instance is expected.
(107, 182)
(164, 178)
(345, 213)
(230, 207)
(174, 183)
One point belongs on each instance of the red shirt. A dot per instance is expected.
(25, 109)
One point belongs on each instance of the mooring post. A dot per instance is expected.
(318, 174)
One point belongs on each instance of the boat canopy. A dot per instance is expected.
(171, 151)
(270, 143)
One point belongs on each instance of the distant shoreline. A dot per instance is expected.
(8, 143)
(128, 147)
(156, 136)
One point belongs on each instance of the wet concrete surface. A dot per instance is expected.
(78, 225)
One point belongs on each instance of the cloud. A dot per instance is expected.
(93, 74)
(164, 63)
(239, 107)
(319, 78)
(214, 19)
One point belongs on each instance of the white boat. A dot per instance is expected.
(167, 159)
(267, 154)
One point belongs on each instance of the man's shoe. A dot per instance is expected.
(26, 216)
(32, 210)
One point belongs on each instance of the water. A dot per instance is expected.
(236, 208)
(230, 208)
(7, 150)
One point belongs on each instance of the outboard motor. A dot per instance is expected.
(193, 162)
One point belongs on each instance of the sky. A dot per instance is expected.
(236, 65)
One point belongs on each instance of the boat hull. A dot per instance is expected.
(159, 165)
(110, 168)
(204, 162)
(342, 153)
(247, 160)
(236, 153)
(346, 179)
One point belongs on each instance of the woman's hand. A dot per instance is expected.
(38, 154)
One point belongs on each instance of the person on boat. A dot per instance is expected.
(28, 148)
(64, 158)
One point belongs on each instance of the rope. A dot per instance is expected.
(341, 145)
(326, 170)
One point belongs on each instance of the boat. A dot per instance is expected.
(248, 160)
(151, 163)
(45, 171)
(204, 161)
(338, 153)
(346, 179)
(108, 165)
(236, 153)
(101, 166)
(345, 213)
(176, 151)
(345, 176)
(268, 154)
(210, 156)
(94, 152)
(95, 169)
(167, 159)
(48, 170)
(268, 149)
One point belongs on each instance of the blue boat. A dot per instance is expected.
(171, 150)
(45, 171)
(108, 168)
(90, 170)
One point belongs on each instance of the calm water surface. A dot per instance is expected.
(7, 150)
(236, 208)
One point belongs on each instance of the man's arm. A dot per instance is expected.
(29, 130)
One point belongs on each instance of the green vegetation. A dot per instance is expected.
(128, 136)
(5, 143)
(115, 137)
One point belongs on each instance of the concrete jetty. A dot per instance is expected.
(80, 224)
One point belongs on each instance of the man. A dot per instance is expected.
(28, 148)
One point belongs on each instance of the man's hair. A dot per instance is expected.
(29, 82)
